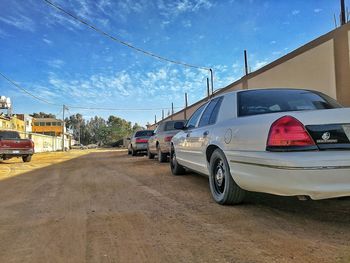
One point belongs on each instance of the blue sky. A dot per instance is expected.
(65, 62)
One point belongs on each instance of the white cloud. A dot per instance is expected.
(295, 12)
(172, 9)
(47, 41)
(187, 23)
(273, 42)
(56, 63)
(276, 53)
(259, 64)
(19, 21)
(317, 10)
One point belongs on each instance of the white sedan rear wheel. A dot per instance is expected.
(223, 188)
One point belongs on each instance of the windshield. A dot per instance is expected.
(169, 126)
(9, 135)
(144, 133)
(256, 102)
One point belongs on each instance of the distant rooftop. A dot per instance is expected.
(46, 120)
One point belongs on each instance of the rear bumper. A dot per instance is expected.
(16, 152)
(319, 175)
(165, 147)
(140, 147)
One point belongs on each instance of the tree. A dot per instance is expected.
(118, 128)
(96, 127)
(137, 127)
(43, 115)
(98, 130)
(76, 123)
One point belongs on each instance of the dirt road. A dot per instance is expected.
(105, 206)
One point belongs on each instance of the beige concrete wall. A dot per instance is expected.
(313, 69)
(349, 43)
(235, 86)
(45, 143)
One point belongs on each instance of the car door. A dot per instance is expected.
(182, 147)
(201, 135)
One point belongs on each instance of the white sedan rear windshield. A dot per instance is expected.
(254, 102)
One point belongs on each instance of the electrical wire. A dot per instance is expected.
(26, 91)
(79, 107)
(116, 39)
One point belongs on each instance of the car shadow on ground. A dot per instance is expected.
(327, 210)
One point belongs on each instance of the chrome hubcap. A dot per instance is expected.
(219, 177)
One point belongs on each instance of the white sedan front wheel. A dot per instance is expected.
(222, 186)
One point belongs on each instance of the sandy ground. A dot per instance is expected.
(106, 206)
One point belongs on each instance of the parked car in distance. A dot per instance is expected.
(159, 143)
(92, 146)
(11, 145)
(78, 146)
(138, 142)
(288, 142)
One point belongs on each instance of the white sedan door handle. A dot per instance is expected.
(205, 134)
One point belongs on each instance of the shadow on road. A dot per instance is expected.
(328, 210)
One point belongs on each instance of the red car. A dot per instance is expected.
(11, 145)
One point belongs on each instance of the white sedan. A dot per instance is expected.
(287, 142)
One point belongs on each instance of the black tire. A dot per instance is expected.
(223, 188)
(133, 152)
(149, 154)
(129, 152)
(162, 157)
(27, 158)
(175, 167)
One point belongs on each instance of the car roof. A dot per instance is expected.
(268, 89)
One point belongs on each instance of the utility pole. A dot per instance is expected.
(162, 114)
(63, 127)
(155, 119)
(212, 81)
(208, 89)
(186, 104)
(79, 134)
(342, 13)
(246, 62)
(172, 110)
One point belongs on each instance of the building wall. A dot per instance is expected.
(57, 130)
(5, 123)
(17, 124)
(45, 143)
(313, 69)
(349, 42)
(47, 127)
(12, 123)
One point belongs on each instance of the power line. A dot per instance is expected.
(148, 53)
(26, 91)
(118, 109)
(77, 107)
